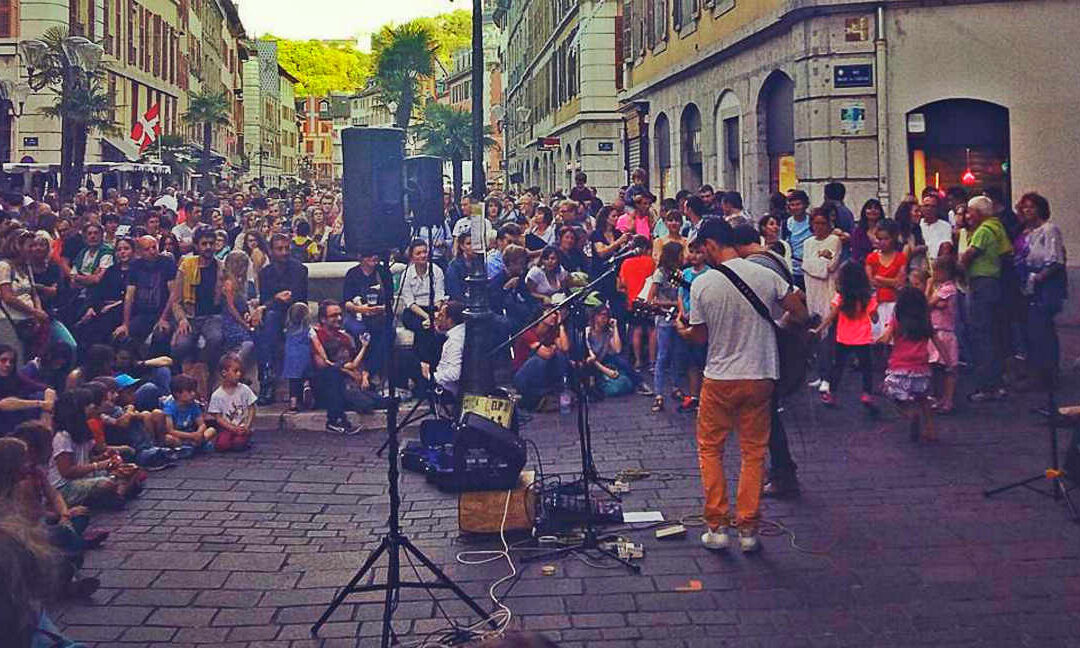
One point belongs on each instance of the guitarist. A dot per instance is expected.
(783, 478)
(741, 371)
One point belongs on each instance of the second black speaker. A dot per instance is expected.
(424, 182)
(373, 187)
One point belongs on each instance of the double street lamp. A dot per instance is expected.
(71, 62)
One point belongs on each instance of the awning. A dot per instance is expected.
(128, 150)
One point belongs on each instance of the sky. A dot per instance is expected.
(334, 19)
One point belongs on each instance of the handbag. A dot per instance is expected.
(793, 343)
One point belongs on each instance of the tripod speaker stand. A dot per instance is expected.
(394, 543)
(1059, 488)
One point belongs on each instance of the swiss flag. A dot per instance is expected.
(147, 129)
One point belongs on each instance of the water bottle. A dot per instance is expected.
(564, 397)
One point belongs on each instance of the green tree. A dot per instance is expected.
(82, 105)
(447, 133)
(403, 55)
(209, 109)
(322, 67)
(452, 31)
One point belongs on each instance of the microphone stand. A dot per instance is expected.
(591, 538)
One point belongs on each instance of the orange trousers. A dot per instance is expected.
(726, 404)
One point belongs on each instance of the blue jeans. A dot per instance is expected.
(667, 341)
(271, 337)
(538, 377)
(986, 334)
(1044, 350)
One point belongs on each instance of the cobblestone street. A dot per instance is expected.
(896, 543)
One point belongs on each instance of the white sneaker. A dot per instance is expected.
(748, 541)
(717, 540)
(814, 383)
(823, 388)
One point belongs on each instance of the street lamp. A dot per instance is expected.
(17, 93)
(478, 376)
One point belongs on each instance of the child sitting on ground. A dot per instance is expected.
(184, 423)
(233, 406)
(16, 495)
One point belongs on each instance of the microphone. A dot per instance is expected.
(633, 250)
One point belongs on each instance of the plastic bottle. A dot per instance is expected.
(564, 397)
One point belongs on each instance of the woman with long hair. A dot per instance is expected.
(236, 324)
(547, 277)
(21, 398)
(907, 218)
(254, 245)
(863, 239)
(23, 322)
(571, 257)
(769, 227)
(458, 269)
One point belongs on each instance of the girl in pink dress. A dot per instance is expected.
(942, 294)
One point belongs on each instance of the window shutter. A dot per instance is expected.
(650, 23)
(627, 30)
(9, 19)
(677, 14)
(661, 21)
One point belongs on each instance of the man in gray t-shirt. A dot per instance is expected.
(740, 371)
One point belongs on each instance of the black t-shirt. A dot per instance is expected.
(206, 291)
(364, 286)
(49, 277)
(72, 246)
(151, 280)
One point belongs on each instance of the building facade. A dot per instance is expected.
(560, 111)
(888, 97)
(145, 62)
(267, 125)
(317, 128)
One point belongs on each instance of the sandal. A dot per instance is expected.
(658, 404)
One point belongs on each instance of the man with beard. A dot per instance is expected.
(282, 283)
(147, 296)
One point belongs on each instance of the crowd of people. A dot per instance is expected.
(139, 329)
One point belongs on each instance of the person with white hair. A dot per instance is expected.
(982, 262)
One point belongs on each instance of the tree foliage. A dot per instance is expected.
(447, 133)
(322, 67)
(404, 54)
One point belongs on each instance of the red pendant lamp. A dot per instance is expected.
(968, 178)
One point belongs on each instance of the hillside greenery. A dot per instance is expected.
(322, 67)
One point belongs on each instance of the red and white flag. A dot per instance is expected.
(147, 129)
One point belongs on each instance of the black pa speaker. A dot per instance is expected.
(423, 182)
(373, 185)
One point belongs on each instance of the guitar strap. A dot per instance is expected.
(749, 294)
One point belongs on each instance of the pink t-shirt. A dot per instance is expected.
(858, 330)
(640, 224)
(943, 315)
(907, 354)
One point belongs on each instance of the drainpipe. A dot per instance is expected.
(881, 52)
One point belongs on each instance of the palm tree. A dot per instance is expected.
(403, 55)
(82, 105)
(211, 109)
(447, 133)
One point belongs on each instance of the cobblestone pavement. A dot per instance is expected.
(897, 545)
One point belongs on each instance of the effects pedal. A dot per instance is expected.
(670, 532)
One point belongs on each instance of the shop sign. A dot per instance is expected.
(916, 123)
(30, 142)
(853, 118)
(607, 147)
(548, 143)
(853, 76)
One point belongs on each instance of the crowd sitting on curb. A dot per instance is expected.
(140, 329)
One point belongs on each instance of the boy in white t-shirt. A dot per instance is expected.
(233, 406)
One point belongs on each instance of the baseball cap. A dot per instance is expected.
(124, 381)
(634, 192)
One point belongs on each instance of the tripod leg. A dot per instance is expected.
(443, 578)
(393, 578)
(348, 589)
(1063, 492)
(1002, 489)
